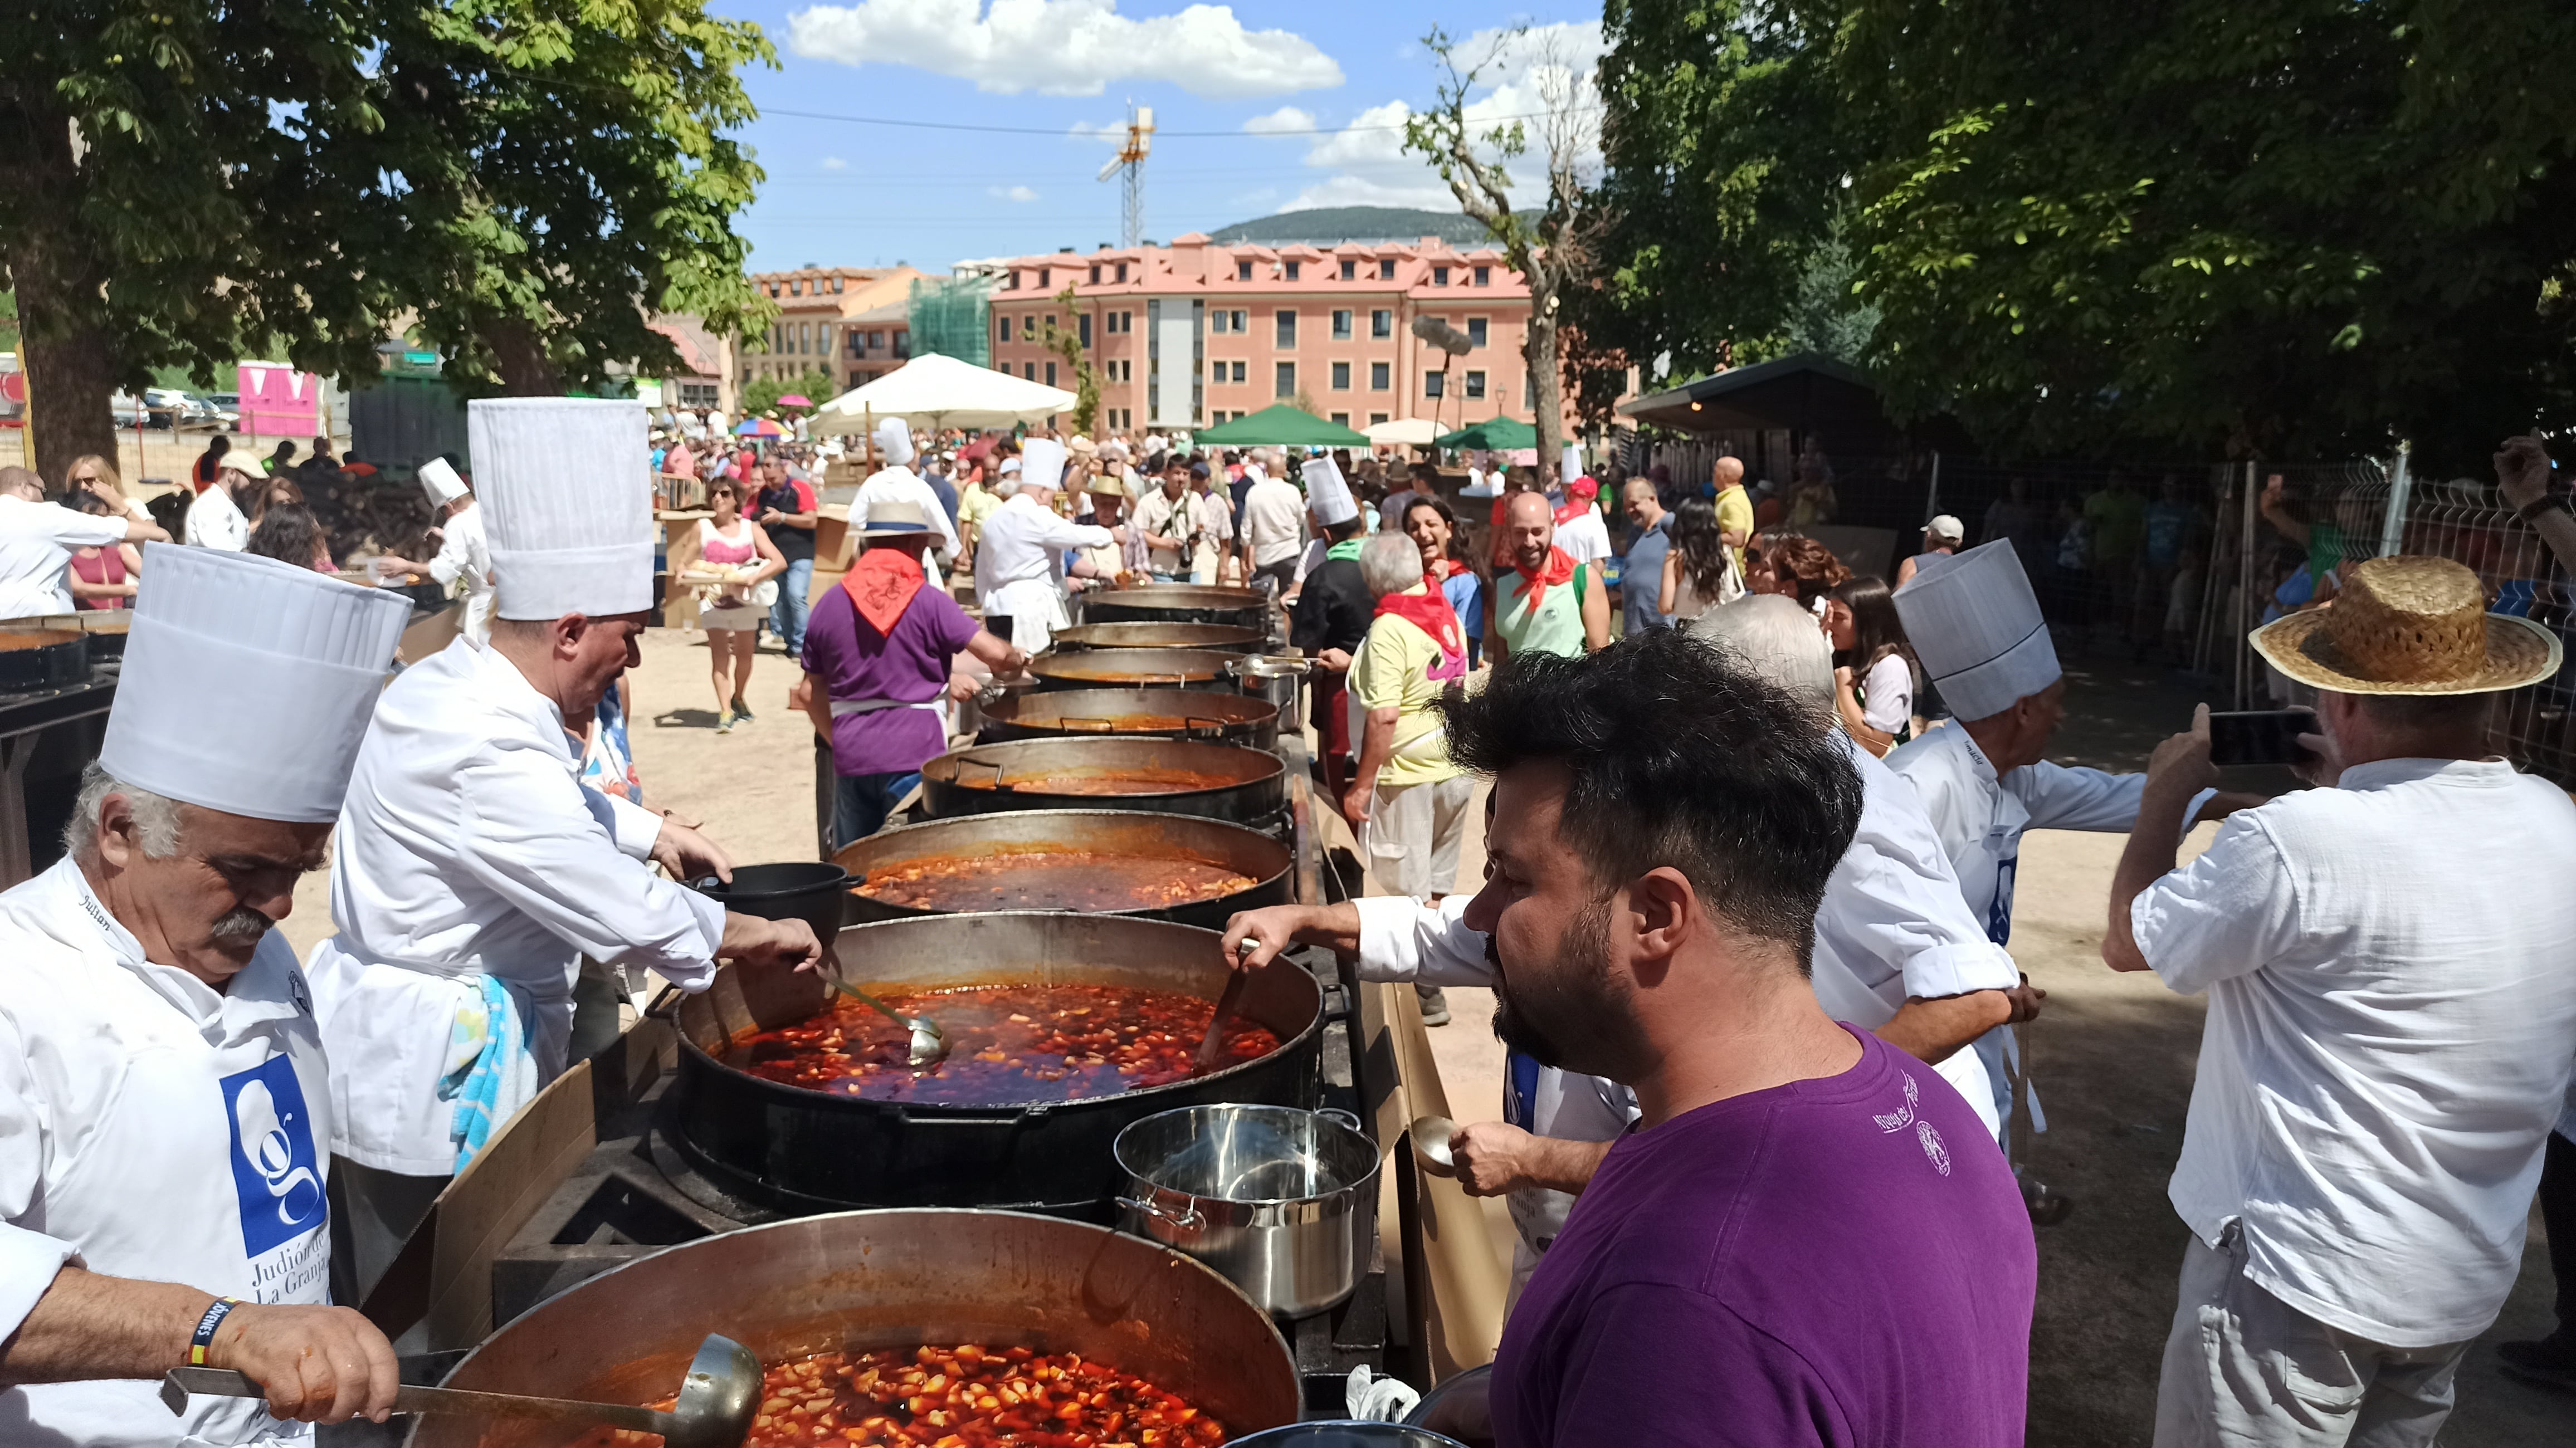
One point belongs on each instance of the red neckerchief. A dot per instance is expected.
(1444, 569)
(1560, 568)
(1572, 508)
(882, 585)
(1430, 612)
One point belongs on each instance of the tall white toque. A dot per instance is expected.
(567, 497)
(894, 442)
(1041, 463)
(248, 683)
(1975, 625)
(1327, 493)
(441, 482)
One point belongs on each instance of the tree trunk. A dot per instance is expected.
(66, 346)
(1538, 354)
(520, 353)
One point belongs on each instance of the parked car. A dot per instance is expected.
(173, 409)
(221, 412)
(129, 411)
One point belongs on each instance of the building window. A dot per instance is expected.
(1341, 419)
(1381, 323)
(1095, 276)
(1287, 329)
(1475, 384)
(1243, 271)
(1044, 274)
(1006, 329)
(1122, 271)
(1051, 374)
(1378, 377)
(1432, 382)
(876, 340)
(1386, 270)
(1240, 376)
(1286, 383)
(1484, 276)
(1440, 276)
(1476, 331)
(1216, 372)
(1341, 377)
(1011, 283)
(796, 288)
(1239, 320)
(1083, 325)
(1292, 271)
(903, 345)
(804, 338)
(1376, 417)
(1341, 326)
(857, 344)
(836, 286)
(1350, 271)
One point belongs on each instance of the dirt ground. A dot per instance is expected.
(2113, 1055)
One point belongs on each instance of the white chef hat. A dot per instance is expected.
(441, 482)
(1327, 494)
(1976, 628)
(894, 441)
(1041, 463)
(1569, 464)
(565, 488)
(248, 683)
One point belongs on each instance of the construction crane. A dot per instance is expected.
(1131, 159)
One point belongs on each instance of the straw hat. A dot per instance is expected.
(1107, 483)
(2409, 625)
(896, 518)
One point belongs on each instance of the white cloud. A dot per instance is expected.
(835, 163)
(1113, 132)
(1012, 193)
(1520, 77)
(1285, 121)
(1064, 47)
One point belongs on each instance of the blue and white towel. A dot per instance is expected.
(491, 1072)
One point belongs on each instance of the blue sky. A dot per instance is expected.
(1294, 105)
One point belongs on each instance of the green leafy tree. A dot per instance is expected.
(761, 394)
(1064, 339)
(1554, 250)
(518, 182)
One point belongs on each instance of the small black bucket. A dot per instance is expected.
(816, 892)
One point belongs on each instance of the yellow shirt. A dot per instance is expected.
(1735, 515)
(1393, 671)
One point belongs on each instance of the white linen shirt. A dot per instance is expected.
(1585, 539)
(1274, 521)
(465, 552)
(903, 485)
(36, 543)
(468, 847)
(216, 521)
(2391, 1023)
(151, 1127)
(1024, 540)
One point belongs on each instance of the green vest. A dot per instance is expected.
(1554, 627)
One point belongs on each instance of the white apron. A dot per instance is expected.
(1035, 607)
(166, 1132)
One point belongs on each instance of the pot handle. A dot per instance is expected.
(1346, 1118)
(1188, 1220)
(666, 1005)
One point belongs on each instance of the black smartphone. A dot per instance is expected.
(2260, 736)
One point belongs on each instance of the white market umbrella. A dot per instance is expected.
(935, 392)
(1404, 431)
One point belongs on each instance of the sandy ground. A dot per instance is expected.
(2113, 1054)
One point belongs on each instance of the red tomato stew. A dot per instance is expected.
(1084, 880)
(1006, 1045)
(962, 1397)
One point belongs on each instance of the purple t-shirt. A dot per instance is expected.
(1842, 1261)
(846, 653)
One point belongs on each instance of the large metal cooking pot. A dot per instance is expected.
(1132, 713)
(812, 1150)
(1347, 1433)
(1251, 785)
(1138, 669)
(867, 1280)
(38, 655)
(1281, 1201)
(1180, 603)
(1145, 837)
(1156, 636)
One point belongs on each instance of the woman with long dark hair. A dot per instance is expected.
(1699, 569)
(1873, 663)
(1433, 527)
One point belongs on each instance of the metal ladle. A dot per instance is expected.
(929, 1044)
(717, 1399)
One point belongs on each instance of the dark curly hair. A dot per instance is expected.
(1679, 756)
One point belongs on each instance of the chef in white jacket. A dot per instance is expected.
(164, 1108)
(896, 482)
(1976, 627)
(215, 518)
(1896, 953)
(1019, 555)
(474, 870)
(464, 549)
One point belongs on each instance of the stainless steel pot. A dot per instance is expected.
(1279, 1200)
(865, 1280)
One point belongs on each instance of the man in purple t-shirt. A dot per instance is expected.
(1803, 1240)
(878, 651)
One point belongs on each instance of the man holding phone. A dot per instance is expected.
(2390, 1028)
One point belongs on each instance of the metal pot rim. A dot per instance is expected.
(957, 759)
(1118, 1155)
(1140, 912)
(1016, 1112)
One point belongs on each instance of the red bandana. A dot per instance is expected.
(1560, 568)
(1430, 612)
(882, 584)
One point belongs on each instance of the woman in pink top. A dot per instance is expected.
(732, 618)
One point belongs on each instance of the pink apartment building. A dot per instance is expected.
(1197, 333)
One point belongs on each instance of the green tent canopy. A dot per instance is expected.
(1500, 434)
(1279, 425)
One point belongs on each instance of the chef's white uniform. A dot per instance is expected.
(1019, 566)
(216, 521)
(1979, 818)
(36, 543)
(903, 485)
(156, 1129)
(465, 552)
(1891, 926)
(467, 847)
